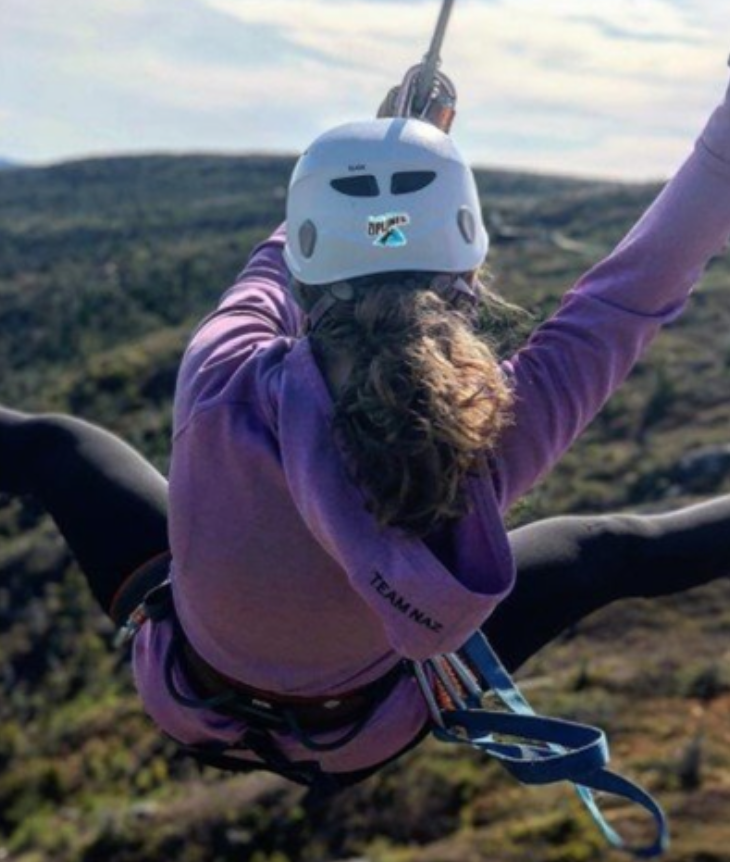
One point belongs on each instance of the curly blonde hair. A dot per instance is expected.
(424, 397)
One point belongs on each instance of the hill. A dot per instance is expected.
(105, 266)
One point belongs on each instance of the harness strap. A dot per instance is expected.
(540, 750)
(156, 605)
(283, 717)
(221, 755)
(447, 284)
(262, 713)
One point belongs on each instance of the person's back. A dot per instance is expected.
(257, 593)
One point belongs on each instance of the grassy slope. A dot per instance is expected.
(104, 267)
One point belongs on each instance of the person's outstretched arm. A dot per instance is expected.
(254, 312)
(575, 360)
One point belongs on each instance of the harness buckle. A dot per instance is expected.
(155, 605)
(131, 627)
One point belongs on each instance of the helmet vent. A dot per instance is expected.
(307, 238)
(406, 182)
(467, 225)
(363, 186)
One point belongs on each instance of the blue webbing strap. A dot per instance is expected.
(552, 749)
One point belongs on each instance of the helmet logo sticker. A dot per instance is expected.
(385, 230)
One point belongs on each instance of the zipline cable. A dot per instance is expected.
(432, 60)
(425, 92)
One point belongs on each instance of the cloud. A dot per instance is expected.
(525, 69)
(535, 80)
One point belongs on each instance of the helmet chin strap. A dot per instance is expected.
(446, 284)
(331, 294)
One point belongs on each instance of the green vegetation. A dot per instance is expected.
(105, 266)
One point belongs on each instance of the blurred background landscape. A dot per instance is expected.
(105, 267)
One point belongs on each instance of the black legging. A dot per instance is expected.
(568, 567)
(111, 507)
(108, 502)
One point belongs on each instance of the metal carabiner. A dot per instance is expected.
(425, 92)
(432, 60)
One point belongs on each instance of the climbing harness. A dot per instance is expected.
(533, 748)
(263, 713)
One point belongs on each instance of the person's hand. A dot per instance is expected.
(387, 107)
(439, 110)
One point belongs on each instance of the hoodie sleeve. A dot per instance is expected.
(252, 314)
(574, 361)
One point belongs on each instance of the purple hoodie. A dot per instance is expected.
(281, 577)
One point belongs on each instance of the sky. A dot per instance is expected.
(601, 88)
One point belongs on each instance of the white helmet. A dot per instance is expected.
(385, 195)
